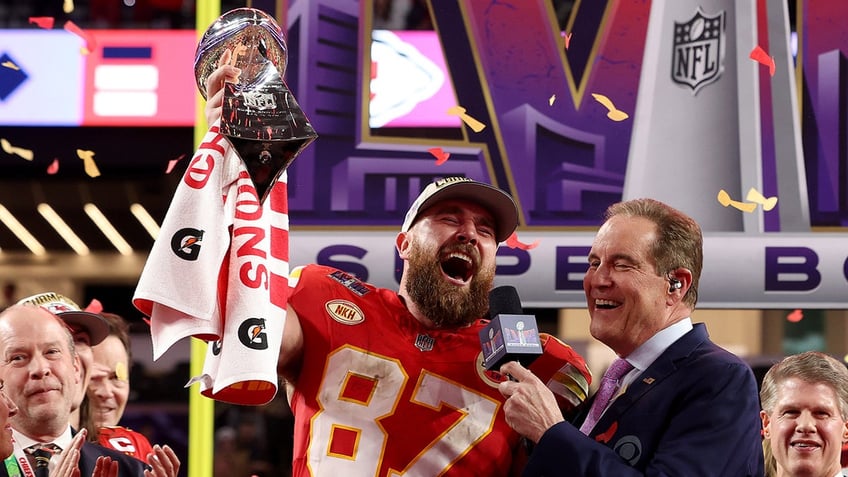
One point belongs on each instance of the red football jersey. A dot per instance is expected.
(380, 395)
(125, 440)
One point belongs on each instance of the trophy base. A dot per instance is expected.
(265, 161)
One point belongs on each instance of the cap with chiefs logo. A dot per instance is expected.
(67, 310)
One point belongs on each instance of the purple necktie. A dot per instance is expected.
(609, 385)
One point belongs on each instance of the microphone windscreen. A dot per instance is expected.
(503, 300)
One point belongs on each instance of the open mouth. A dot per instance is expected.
(458, 266)
(805, 445)
(606, 304)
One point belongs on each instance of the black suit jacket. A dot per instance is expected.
(127, 466)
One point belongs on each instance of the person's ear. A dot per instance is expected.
(402, 245)
(77, 368)
(766, 424)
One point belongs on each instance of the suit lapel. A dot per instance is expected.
(664, 366)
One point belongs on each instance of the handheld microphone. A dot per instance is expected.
(510, 335)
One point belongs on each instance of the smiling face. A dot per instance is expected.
(450, 263)
(805, 429)
(39, 369)
(628, 300)
(82, 345)
(7, 410)
(109, 388)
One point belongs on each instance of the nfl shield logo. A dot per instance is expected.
(424, 342)
(698, 50)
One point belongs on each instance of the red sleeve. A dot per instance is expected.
(125, 440)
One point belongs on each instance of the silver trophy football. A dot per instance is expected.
(260, 117)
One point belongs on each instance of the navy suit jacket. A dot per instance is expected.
(693, 412)
(127, 466)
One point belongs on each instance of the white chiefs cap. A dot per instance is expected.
(496, 201)
(70, 313)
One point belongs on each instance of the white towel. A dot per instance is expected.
(218, 272)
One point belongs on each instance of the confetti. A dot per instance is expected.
(755, 196)
(607, 435)
(513, 242)
(172, 163)
(10, 65)
(614, 113)
(94, 306)
(53, 167)
(474, 124)
(121, 371)
(8, 148)
(725, 200)
(567, 38)
(43, 22)
(760, 56)
(440, 155)
(551, 100)
(89, 41)
(795, 316)
(68, 6)
(88, 161)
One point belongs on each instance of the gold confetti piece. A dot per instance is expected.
(8, 148)
(755, 196)
(10, 65)
(551, 100)
(121, 371)
(474, 124)
(68, 6)
(88, 162)
(614, 113)
(725, 200)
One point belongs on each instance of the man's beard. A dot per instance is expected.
(446, 305)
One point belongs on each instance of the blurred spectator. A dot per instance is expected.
(107, 396)
(391, 14)
(418, 17)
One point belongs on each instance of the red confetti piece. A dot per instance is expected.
(172, 163)
(513, 242)
(53, 167)
(607, 435)
(567, 38)
(440, 155)
(94, 307)
(760, 56)
(43, 22)
(795, 316)
(89, 41)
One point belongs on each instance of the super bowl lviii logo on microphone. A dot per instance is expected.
(698, 51)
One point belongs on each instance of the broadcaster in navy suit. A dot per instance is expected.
(688, 408)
